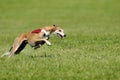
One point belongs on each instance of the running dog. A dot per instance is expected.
(35, 38)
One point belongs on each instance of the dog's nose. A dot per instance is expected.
(64, 35)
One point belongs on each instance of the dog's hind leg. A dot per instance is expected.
(16, 46)
(21, 47)
(38, 44)
(6, 54)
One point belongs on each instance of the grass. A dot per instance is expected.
(91, 50)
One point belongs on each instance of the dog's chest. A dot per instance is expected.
(46, 33)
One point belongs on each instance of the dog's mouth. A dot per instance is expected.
(60, 36)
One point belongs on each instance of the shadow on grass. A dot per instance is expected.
(43, 56)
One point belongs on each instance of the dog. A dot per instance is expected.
(35, 39)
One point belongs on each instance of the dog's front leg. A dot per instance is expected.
(39, 40)
(45, 40)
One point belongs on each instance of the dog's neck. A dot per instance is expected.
(49, 29)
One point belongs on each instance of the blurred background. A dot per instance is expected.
(79, 17)
(89, 52)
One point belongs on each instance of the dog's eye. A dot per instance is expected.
(59, 30)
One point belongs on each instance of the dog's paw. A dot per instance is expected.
(38, 46)
(5, 54)
(48, 43)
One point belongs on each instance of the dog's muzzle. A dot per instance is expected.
(60, 35)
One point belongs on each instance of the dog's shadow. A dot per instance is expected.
(43, 56)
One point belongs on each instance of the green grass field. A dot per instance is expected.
(91, 50)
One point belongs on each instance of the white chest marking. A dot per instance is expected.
(46, 32)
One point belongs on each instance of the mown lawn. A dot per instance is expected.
(91, 50)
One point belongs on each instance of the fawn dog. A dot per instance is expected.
(35, 38)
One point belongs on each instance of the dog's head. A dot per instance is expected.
(59, 32)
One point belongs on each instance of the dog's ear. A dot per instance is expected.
(54, 25)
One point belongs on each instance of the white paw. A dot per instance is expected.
(48, 43)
